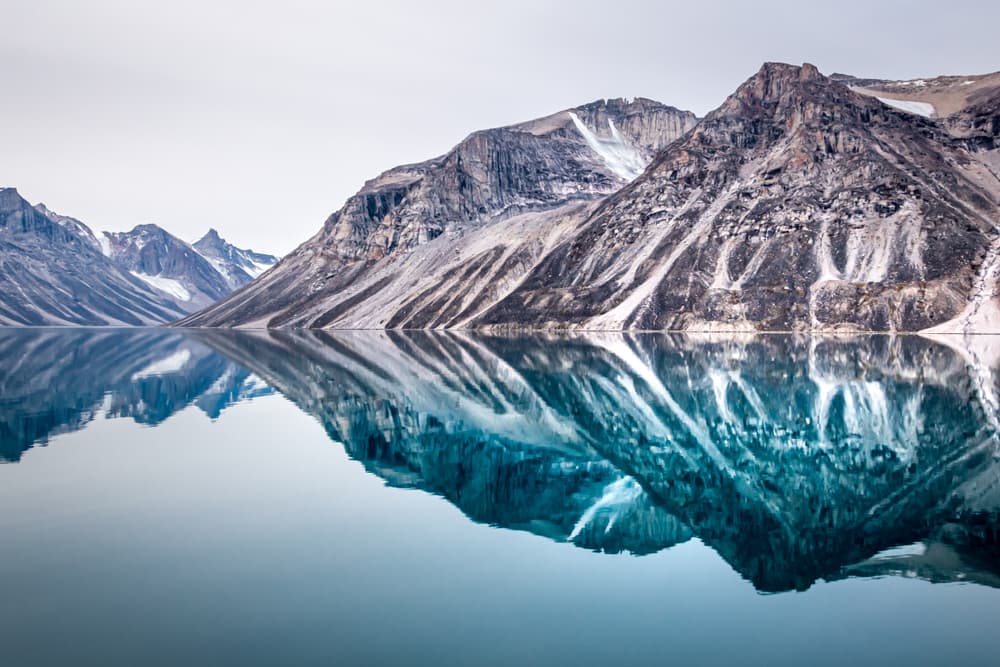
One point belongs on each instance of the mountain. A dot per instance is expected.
(798, 204)
(236, 265)
(167, 264)
(426, 244)
(196, 275)
(52, 271)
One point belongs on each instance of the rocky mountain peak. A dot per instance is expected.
(10, 199)
(778, 88)
(211, 236)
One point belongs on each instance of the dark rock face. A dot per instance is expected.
(52, 272)
(547, 167)
(793, 458)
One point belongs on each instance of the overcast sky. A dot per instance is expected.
(261, 118)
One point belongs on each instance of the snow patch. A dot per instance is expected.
(172, 287)
(617, 497)
(924, 109)
(915, 549)
(171, 364)
(105, 243)
(256, 268)
(621, 157)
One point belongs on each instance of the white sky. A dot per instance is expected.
(261, 118)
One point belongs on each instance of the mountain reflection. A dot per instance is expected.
(57, 380)
(796, 459)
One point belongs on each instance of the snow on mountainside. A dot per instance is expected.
(54, 270)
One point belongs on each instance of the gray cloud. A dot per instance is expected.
(260, 118)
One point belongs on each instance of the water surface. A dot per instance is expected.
(442, 499)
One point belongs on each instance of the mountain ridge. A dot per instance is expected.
(798, 204)
(54, 270)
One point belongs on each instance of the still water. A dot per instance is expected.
(226, 498)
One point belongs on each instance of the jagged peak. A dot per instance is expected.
(775, 81)
(10, 197)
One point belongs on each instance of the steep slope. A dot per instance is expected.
(968, 106)
(426, 244)
(237, 265)
(798, 204)
(52, 272)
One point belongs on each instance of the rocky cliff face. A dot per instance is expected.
(798, 204)
(53, 272)
(498, 189)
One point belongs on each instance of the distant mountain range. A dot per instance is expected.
(804, 202)
(54, 270)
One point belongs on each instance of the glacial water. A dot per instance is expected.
(313, 498)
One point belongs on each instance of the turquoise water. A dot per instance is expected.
(399, 498)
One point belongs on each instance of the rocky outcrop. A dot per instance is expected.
(430, 244)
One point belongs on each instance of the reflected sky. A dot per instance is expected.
(308, 498)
